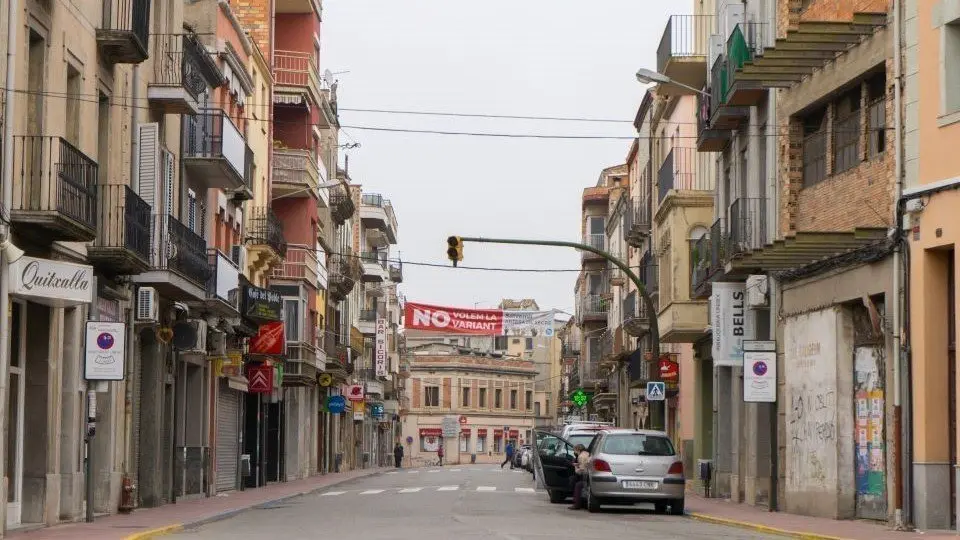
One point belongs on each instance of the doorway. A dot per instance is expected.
(952, 385)
(16, 394)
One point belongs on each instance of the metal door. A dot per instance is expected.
(228, 437)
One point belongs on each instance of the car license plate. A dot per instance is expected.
(637, 484)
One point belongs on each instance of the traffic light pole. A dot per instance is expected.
(647, 300)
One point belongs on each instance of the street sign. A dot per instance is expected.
(463, 419)
(105, 351)
(450, 426)
(260, 379)
(759, 371)
(656, 391)
(580, 398)
(336, 404)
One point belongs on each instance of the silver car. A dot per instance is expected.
(628, 466)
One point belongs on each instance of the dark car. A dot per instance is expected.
(556, 460)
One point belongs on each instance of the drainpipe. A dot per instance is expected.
(901, 439)
(6, 197)
(131, 444)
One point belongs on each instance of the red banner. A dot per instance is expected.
(450, 320)
(669, 370)
(269, 339)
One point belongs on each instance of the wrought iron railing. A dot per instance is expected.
(596, 241)
(300, 263)
(178, 249)
(54, 176)
(747, 228)
(176, 62)
(265, 228)
(593, 305)
(717, 247)
(685, 36)
(700, 264)
(396, 272)
(374, 257)
(213, 135)
(128, 16)
(124, 220)
(683, 170)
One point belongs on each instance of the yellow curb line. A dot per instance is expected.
(153, 533)
(763, 528)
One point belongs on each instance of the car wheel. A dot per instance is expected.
(593, 503)
(676, 507)
(660, 508)
(556, 497)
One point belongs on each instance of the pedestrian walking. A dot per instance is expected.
(509, 452)
(579, 471)
(440, 454)
(397, 455)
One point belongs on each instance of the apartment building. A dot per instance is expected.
(799, 253)
(491, 394)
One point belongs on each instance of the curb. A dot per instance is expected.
(762, 528)
(177, 527)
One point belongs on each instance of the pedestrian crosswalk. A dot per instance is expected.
(407, 490)
(418, 471)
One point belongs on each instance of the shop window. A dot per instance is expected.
(431, 396)
(464, 444)
(497, 444)
(429, 443)
(481, 444)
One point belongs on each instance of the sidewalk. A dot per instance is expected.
(150, 522)
(724, 512)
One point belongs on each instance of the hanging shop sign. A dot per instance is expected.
(269, 339)
(380, 348)
(262, 304)
(325, 379)
(669, 370)
(759, 371)
(260, 379)
(485, 322)
(105, 351)
(53, 283)
(376, 410)
(336, 404)
(230, 365)
(732, 323)
(354, 392)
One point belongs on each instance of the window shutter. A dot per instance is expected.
(191, 210)
(168, 181)
(148, 167)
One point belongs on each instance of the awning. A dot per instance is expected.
(465, 431)
(481, 432)
(288, 99)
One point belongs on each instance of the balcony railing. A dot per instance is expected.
(55, 187)
(215, 150)
(265, 228)
(373, 257)
(682, 171)
(596, 241)
(294, 68)
(124, 30)
(341, 205)
(300, 263)
(295, 172)
(717, 247)
(178, 249)
(686, 36)
(719, 83)
(593, 305)
(176, 63)
(747, 226)
(370, 315)
(123, 242)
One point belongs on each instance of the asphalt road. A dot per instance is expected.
(453, 502)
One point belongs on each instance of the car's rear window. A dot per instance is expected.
(635, 444)
(581, 438)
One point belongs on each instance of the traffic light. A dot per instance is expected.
(454, 249)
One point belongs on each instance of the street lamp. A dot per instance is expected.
(648, 76)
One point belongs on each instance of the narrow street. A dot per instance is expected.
(461, 502)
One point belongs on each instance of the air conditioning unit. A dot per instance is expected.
(148, 307)
(218, 342)
(238, 254)
(757, 288)
(200, 326)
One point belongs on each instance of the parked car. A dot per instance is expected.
(518, 455)
(556, 457)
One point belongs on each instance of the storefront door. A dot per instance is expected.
(16, 390)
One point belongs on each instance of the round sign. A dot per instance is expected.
(105, 340)
(326, 379)
(336, 404)
(759, 368)
(409, 439)
(463, 419)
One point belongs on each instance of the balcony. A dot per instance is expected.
(223, 286)
(124, 31)
(681, 172)
(266, 245)
(336, 359)
(592, 377)
(374, 266)
(341, 277)
(302, 364)
(55, 190)
(746, 233)
(215, 153)
(744, 46)
(596, 241)
(179, 264)
(716, 120)
(296, 75)
(179, 64)
(299, 6)
(637, 221)
(122, 246)
(594, 307)
(367, 321)
(377, 213)
(682, 54)
(636, 316)
(300, 265)
(396, 272)
(296, 173)
(342, 207)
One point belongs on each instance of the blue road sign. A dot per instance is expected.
(656, 391)
(336, 404)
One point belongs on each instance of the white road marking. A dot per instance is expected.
(413, 472)
(525, 490)
(455, 470)
(371, 492)
(393, 472)
(410, 490)
(434, 470)
(486, 488)
(448, 488)
(333, 493)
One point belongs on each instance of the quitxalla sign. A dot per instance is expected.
(262, 304)
(51, 282)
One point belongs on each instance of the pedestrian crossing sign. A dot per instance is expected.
(656, 391)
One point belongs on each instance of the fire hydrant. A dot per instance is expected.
(127, 498)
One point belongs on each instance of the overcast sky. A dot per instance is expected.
(510, 57)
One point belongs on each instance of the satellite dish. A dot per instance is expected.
(328, 77)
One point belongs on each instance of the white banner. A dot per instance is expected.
(528, 323)
(732, 323)
(760, 376)
(380, 348)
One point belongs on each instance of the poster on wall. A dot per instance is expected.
(105, 351)
(869, 433)
(732, 323)
(759, 372)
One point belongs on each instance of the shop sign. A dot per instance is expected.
(230, 365)
(669, 370)
(358, 412)
(376, 410)
(430, 432)
(269, 339)
(380, 349)
(105, 351)
(49, 282)
(759, 372)
(732, 323)
(354, 392)
(260, 379)
(336, 404)
(262, 304)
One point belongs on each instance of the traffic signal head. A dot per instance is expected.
(454, 249)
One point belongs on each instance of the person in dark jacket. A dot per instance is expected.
(440, 454)
(509, 452)
(397, 455)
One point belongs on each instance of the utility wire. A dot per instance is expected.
(479, 115)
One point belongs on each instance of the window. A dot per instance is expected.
(498, 398)
(536, 409)
(632, 445)
(529, 400)
(876, 116)
(192, 210)
(500, 343)
(497, 444)
(291, 319)
(846, 131)
(464, 443)
(529, 343)
(431, 396)
(814, 148)
(483, 398)
(513, 399)
(465, 393)
(481, 443)
(950, 74)
(72, 120)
